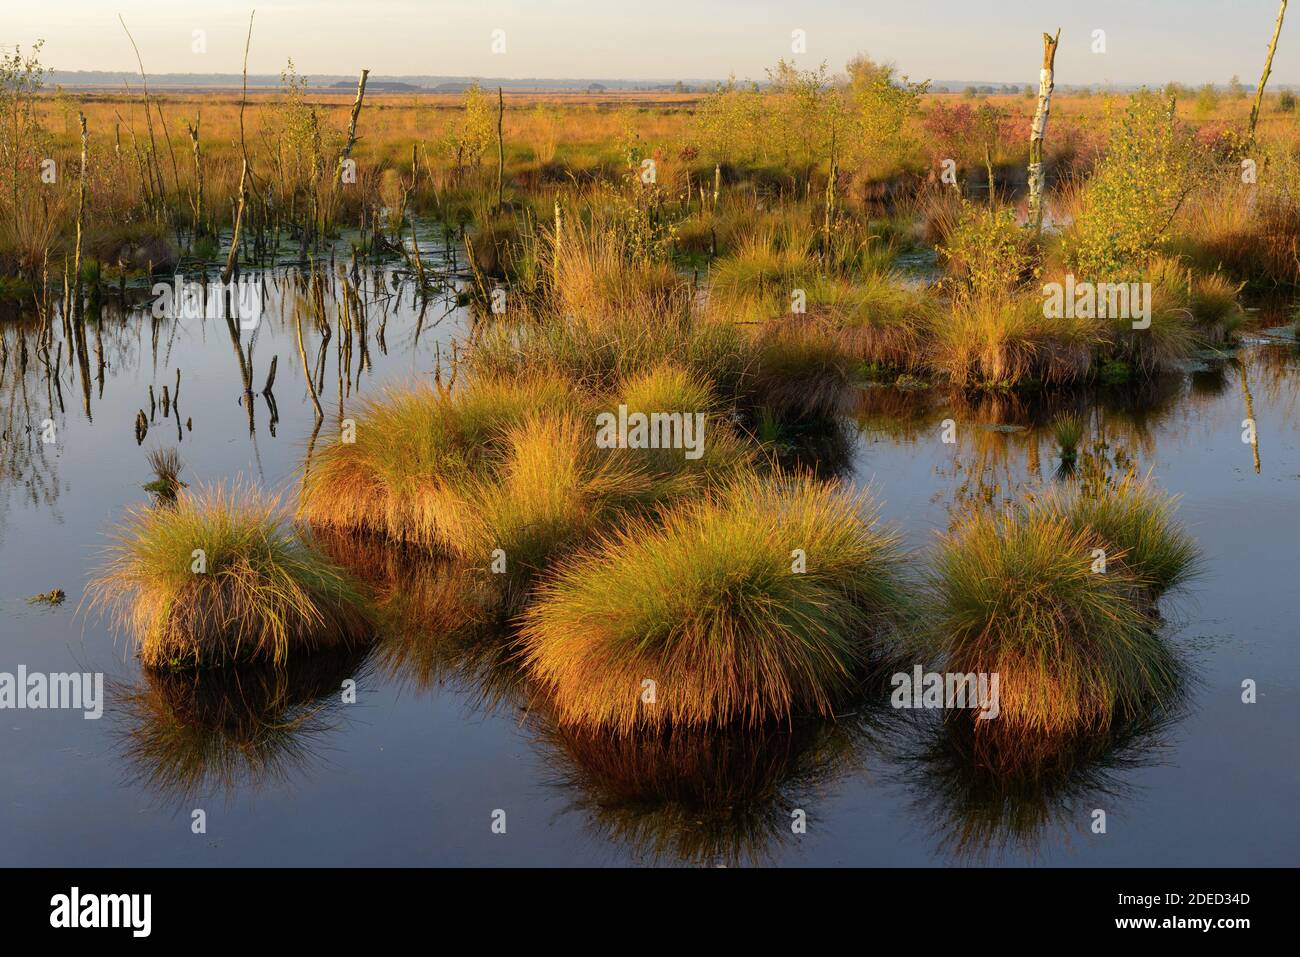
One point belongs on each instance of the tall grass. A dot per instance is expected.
(408, 474)
(1140, 526)
(554, 487)
(597, 353)
(1015, 593)
(802, 368)
(711, 606)
(722, 453)
(598, 272)
(218, 577)
(1005, 340)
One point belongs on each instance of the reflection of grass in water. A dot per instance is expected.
(703, 796)
(259, 594)
(437, 621)
(694, 796)
(233, 727)
(989, 792)
(822, 446)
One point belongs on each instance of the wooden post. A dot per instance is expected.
(1268, 68)
(1046, 83)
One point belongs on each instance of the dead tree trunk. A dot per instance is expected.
(198, 176)
(81, 217)
(233, 258)
(1037, 176)
(501, 144)
(352, 122)
(1268, 68)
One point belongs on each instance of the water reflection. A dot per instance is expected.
(1003, 442)
(701, 796)
(225, 396)
(232, 729)
(439, 623)
(123, 372)
(985, 795)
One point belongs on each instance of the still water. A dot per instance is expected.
(414, 772)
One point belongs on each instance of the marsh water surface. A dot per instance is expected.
(413, 771)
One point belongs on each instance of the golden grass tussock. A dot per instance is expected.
(882, 321)
(597, 353)
(597, 275)
(717, 454)
(220, 577)
(555, 486)
(1004, 340)
(1019, 593)
(762, 600)
(1140, 524)
(408, 475)
(802, 367)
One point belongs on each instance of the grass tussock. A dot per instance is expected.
(711, 606)
(409, 474)
(675, 472)
(597, 274)
(218, 577)
(1005, 340)
(883, 322)
(1017, 593)
(1139, 522)
(555, 487)
(596, 353)
(802, 368)
(167, 467)
(1068, 428)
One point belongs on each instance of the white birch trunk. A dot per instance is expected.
(1046, 83)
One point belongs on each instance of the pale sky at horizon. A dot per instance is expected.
(1189, 41)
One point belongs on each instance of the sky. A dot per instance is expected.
(1145, 41)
